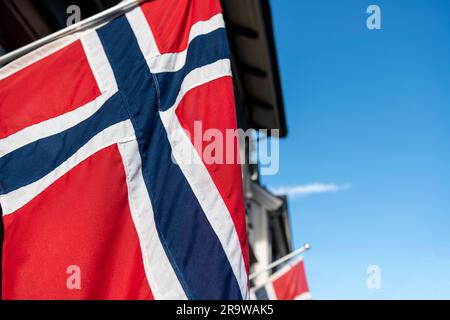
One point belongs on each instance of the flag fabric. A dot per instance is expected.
(97, 197)
(288, 283)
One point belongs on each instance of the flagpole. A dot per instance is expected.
(103, 16)
(305, 247)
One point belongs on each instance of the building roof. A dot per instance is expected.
(249, 26)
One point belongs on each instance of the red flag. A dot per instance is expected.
(103, 191)
(288, 283)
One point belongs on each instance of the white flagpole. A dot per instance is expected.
(305, 247)
(97, 19)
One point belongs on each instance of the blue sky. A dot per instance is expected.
(369, 110)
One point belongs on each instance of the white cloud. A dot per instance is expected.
(309, 189)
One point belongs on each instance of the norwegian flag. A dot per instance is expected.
(89, 125)
(288, 283)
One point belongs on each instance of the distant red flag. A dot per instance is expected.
(288, 283)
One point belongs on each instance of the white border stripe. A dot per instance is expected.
(202, 75)
(120, 132)
(172, 62)
(198, 176)
(49, 127)
(143, 32)
(106, 82)
(99, 63)
(160, 274)
(168, 62)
